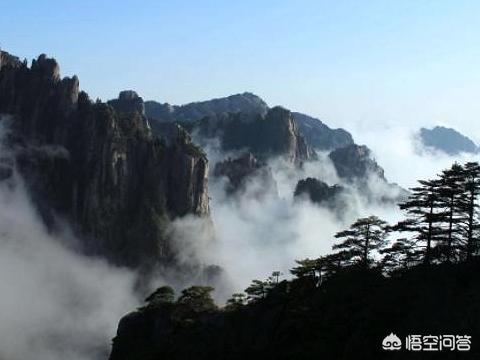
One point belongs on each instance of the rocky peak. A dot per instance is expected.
(47, 68)
(320, 136)
(282, 136)
(275, 134)
(128, 101)
(9, 60)
(98, 165)
(238, 171)
(354, 162)
(447, 140)
(319, 192)
(38, 97)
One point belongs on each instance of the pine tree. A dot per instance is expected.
(257, 290)
(163, 295)
(422, 218)
(363, 236)
(197, 299)
(400, 255)
(236, 301)
(470, 206)
(451, 199)
(307, 268)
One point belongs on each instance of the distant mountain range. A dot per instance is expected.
(317, 134)
(447, 140)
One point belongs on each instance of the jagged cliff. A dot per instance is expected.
(275, 134)
(98, 165)
(319, 192)
(243, 169)
(319, 135)
(354, 162)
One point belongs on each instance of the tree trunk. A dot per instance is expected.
(471, 209)
(367, 240)
(450, 229)
(429, 235)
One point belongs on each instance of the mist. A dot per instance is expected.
(258, 230)
(55, 304)
(399, 151)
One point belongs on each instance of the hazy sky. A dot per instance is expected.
(351, 63)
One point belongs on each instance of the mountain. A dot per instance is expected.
(447, 140)
(355, 165)
(244, 168)
(317, 134)
(97, 165)
(246, 102)
(354, 162)
(320, 193)
(274, 134)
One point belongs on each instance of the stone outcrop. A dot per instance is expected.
(128, 101)
(239, 171)
(98, 165)
(320, 136)
(354, 162)
(319, 192)
(275, 134)
(355, 165)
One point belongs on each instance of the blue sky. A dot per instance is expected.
(352, 63)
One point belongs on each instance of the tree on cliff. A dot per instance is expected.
(452, 197)
(422, 218)
(258, 289)
(197, 299)
(363, 236)
(316, 270)
(236, 301)
(400, 255)
(163, 295)
(470, 206)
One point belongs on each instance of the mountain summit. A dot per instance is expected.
(447, 140)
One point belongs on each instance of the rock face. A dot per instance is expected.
(447, 140)
(319, 135)
(355, 165)
(129, 102)
(275, 134)
(98, 165)
(246, 167)
(354, 162)
(246, 102)
(318, 191)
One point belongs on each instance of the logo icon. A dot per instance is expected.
(392, 342)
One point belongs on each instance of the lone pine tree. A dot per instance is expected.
(363, 236)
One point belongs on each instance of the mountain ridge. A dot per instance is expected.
(447, 140)
(317, 133)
